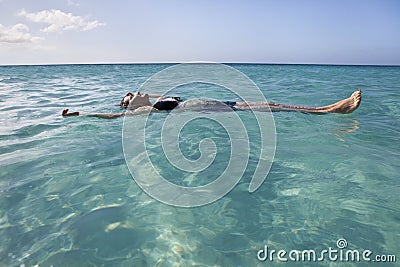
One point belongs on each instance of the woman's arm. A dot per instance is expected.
(66, 113)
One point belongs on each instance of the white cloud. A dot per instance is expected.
(59, 21)
(17, 34)
(71, 3)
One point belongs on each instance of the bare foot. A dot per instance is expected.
(347, 105)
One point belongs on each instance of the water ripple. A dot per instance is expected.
(67, 197)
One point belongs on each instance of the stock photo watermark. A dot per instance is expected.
(149, 175)
(340, 253)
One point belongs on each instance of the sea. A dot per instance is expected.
(68, 197)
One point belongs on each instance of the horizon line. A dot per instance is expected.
(173, 63)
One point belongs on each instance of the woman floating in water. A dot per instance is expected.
(139, 103)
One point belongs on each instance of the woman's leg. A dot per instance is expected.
(347, 105)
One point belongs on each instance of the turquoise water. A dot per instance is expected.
(67, 197)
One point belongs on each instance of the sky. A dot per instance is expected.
(355, 32)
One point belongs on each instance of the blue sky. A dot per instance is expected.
(90, 31)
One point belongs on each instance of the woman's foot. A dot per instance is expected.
(347, 105)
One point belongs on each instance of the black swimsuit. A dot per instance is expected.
(230, 104)
(172, 102)
(167, 104)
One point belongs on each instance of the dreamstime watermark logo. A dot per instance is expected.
(148, 175)
(339, 254)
